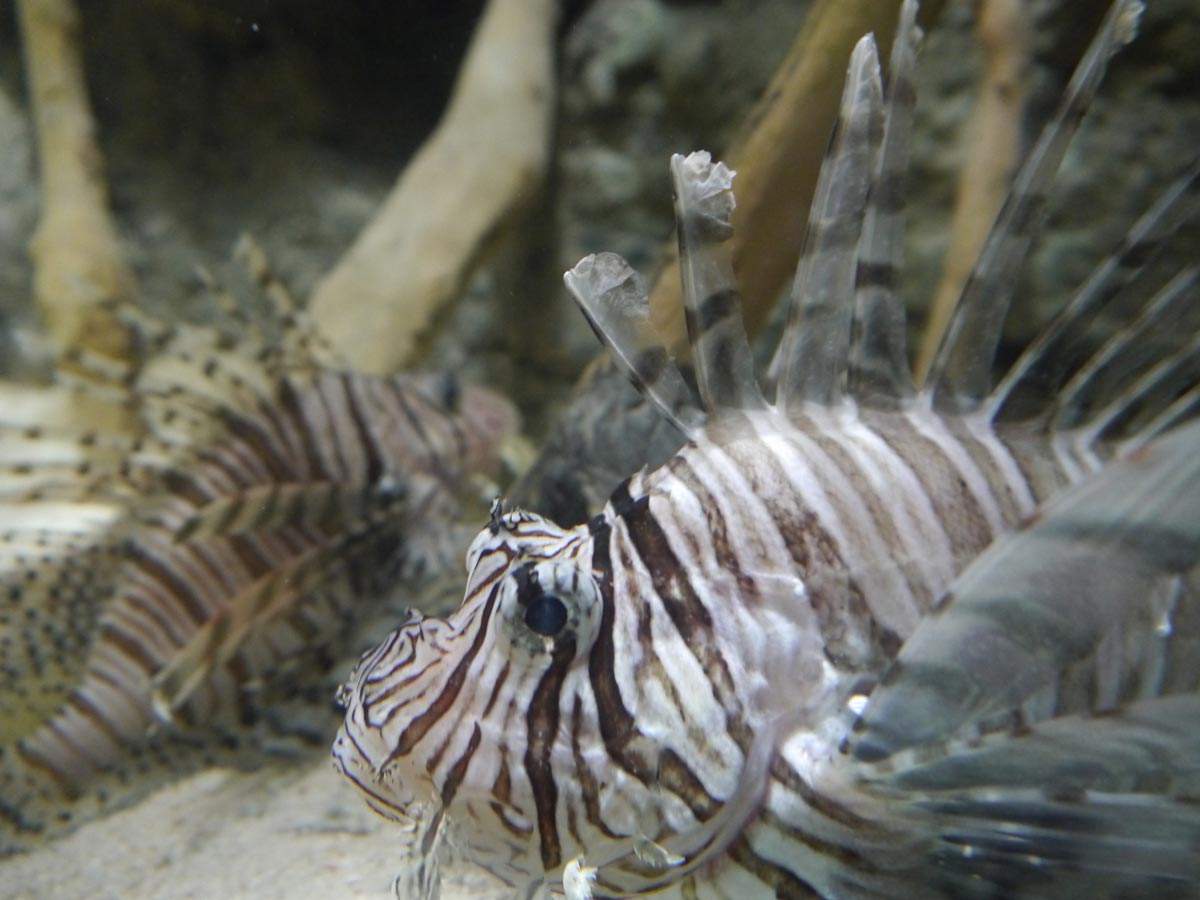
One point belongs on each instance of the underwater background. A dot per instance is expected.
(291, 122)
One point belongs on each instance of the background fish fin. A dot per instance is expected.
(275, 617)
(40, 464)
(52, 593)
(76, 406)
(704, 203)
(812, 355)
(205, 380)
(323, 505)
(305, 602)
(301, 344)
(612, 297)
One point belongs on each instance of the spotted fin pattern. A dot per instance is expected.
(269, 496)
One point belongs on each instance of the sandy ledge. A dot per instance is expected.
(292, 833)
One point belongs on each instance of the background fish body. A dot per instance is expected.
(862, 641)
(238, 503)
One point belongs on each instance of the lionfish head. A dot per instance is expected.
(466, 714)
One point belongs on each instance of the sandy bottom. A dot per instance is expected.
(292, 833)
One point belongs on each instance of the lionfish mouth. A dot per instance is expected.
(371, 746)
(391, 790)
(359, 754)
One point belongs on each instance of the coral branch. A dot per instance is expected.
(989, 159)
(481, 166)
(79, 269)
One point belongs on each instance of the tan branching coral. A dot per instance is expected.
(481, 167)
(79, 270)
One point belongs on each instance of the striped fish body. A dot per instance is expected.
(269, 501)
(863, 641)
(781, 554)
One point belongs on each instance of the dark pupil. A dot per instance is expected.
(546, 615)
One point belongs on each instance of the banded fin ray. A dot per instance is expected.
(1150, 386)
(959, 377)
(1185, 408)
(878, 356)
(1044, 364)
(721, 355)
(612, 297)
(813, 352)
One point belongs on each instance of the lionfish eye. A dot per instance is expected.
(550, 605)
(546, 615)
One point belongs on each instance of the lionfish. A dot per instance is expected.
(177, 529)
(865, 641)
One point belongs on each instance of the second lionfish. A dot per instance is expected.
(864, 641)
(175, 530)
